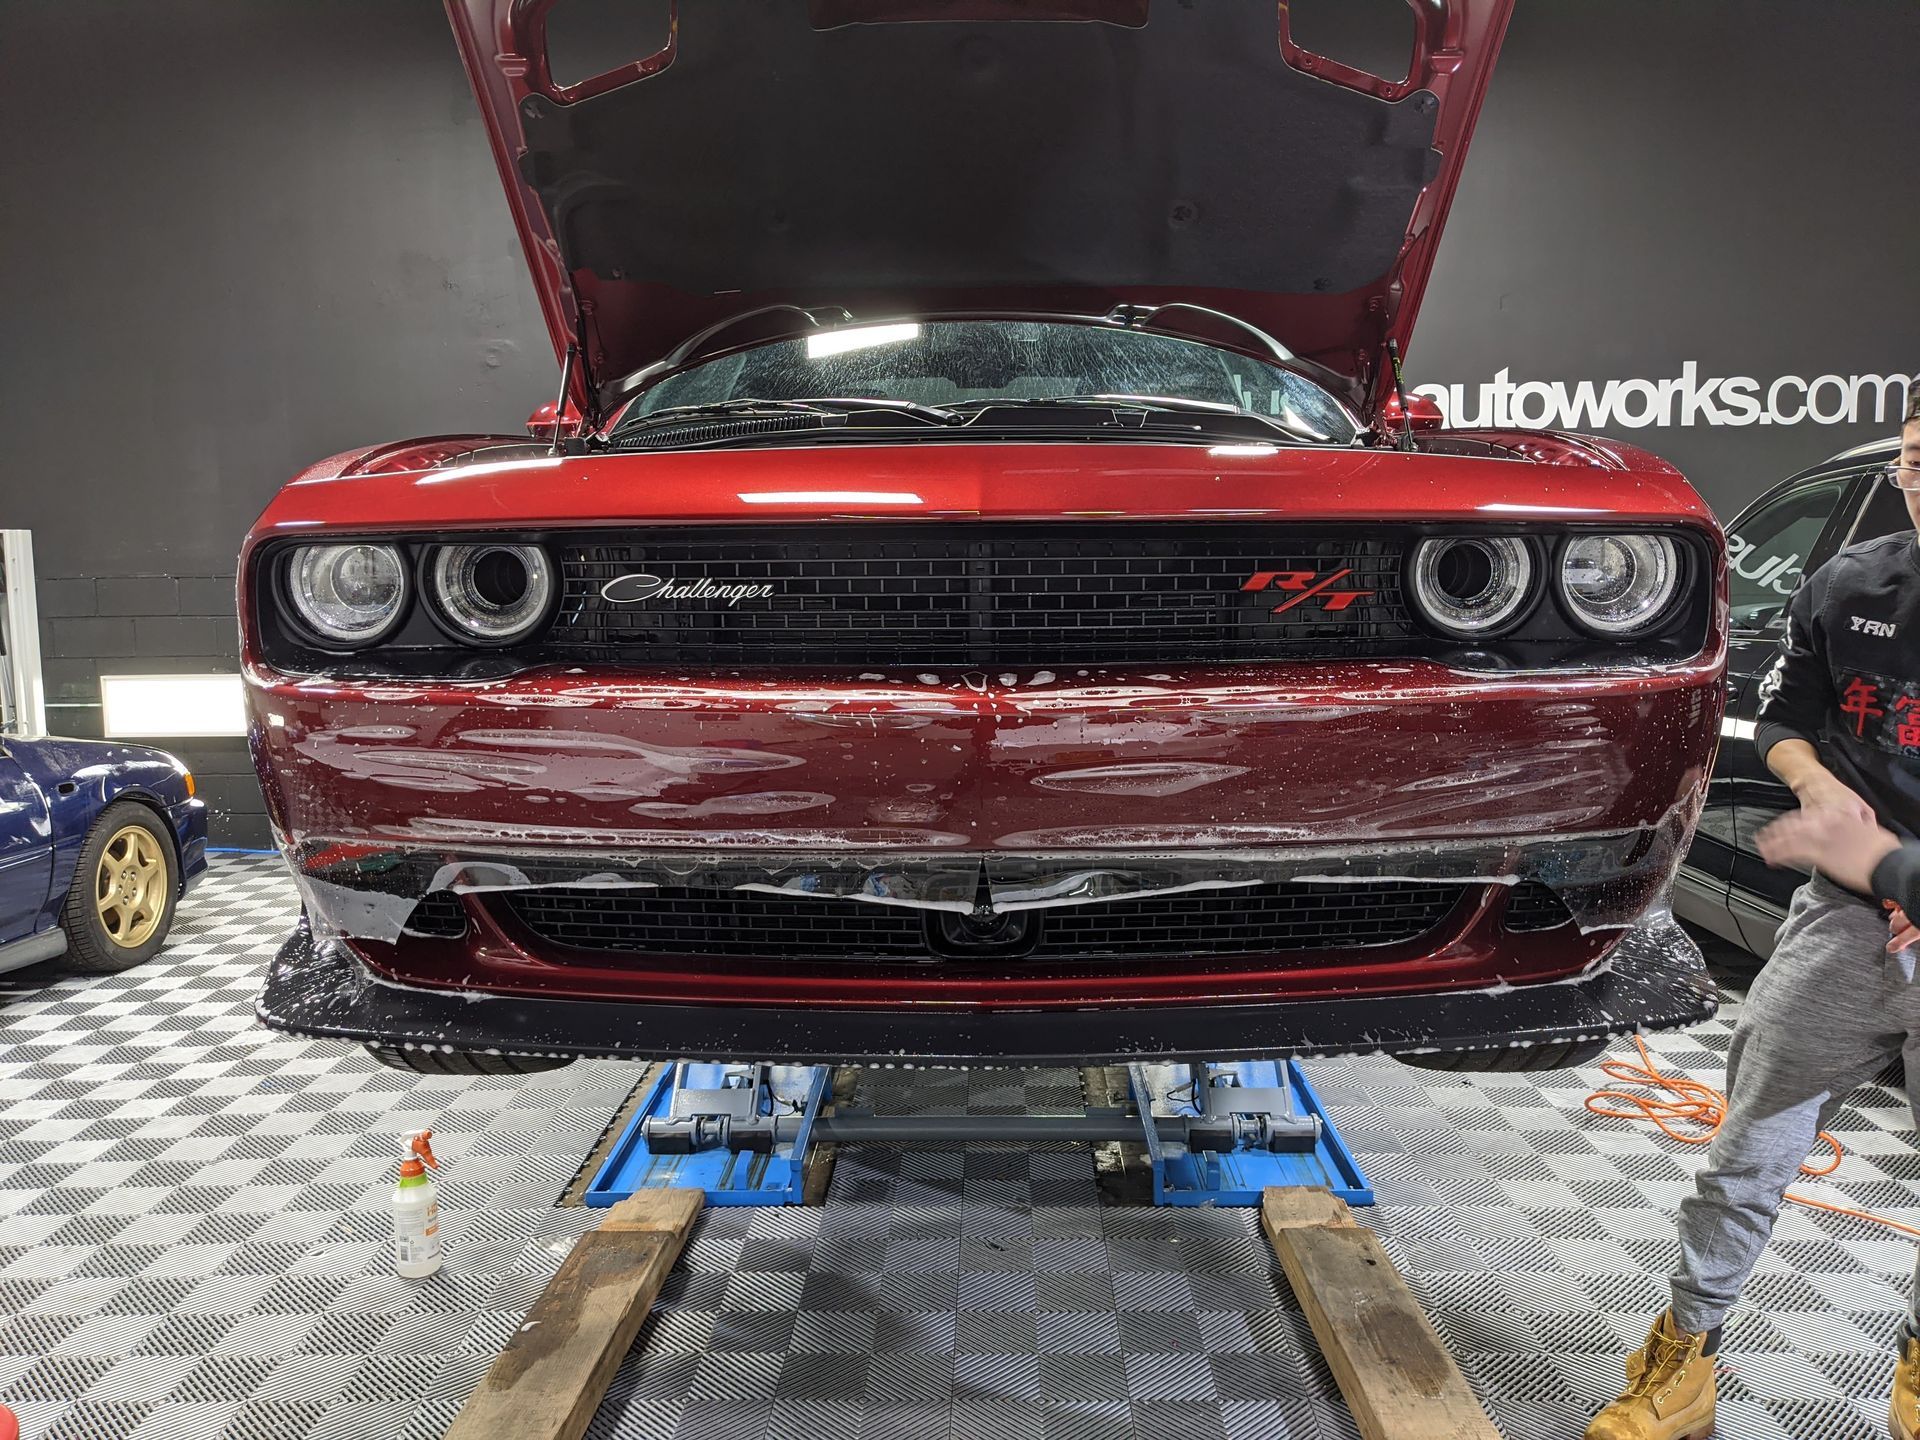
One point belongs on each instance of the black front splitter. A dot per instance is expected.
(1655, 979)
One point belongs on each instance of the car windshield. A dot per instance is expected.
(951, 363)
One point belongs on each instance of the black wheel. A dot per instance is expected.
(1507, 1059)
(462, 1062)
(120, 904)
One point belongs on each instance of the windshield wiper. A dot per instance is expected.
(1145, 402)
(826, 407)
(1146, 405)
(758, 421)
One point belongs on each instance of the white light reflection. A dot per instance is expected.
(496, 467)
(1291, 419)
(865, 337)
(830, 497)
(1538, 509)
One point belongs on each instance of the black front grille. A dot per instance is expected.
(1532, 906)
(1258, 920)
(983, 595)
(438, 916)
(1249, 922)
(674, 921)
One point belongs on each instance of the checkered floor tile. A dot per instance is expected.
(193, 1217)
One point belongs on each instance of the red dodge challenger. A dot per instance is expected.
(981, 593)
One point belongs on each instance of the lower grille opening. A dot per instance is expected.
(1253, 921)
(1256, 920)
(439, 916)
(685, 921)
(1532, 906)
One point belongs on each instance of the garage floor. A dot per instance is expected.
(193, 1223)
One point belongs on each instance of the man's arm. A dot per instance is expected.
(1846, 847)
(1798, 765)
(1796, 696)
(1854, 851)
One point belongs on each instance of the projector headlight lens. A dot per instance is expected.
(492, 594)
(349, 594)
(1619, 584)
(1472, 586)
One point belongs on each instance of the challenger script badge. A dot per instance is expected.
(633, 589)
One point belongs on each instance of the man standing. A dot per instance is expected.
(1840, 725)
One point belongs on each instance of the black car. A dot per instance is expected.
(1786, 534)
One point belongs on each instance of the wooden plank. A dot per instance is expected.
(817, 1173)
(1106, 1087)
(670, 1211)
(1287, 1207)
(1122, 1169)
(1397, 1377)
(549, 1380)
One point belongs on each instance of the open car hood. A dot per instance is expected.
(889, 158)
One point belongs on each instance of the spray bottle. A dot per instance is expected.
(416, 1211)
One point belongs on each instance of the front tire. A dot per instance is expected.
(461, 1062)
(1510, 1059)
(121, 901)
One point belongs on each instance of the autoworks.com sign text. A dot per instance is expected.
(1689, 398)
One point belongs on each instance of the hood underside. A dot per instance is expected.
(891, 157)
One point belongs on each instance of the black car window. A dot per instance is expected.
(1885, 512)
(1768, 546)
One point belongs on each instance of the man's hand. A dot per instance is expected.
(1840, 839)
(1813, 785)
(1901, 930)
(1822, 793)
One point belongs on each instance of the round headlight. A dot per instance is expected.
(492, 594)
(1472, 586)
(1617, 584)
(350, 594)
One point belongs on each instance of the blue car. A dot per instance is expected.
(98, 842)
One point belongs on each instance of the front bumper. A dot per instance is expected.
(364, 897)
(189, 821)
(985, 794)
(1654, 979)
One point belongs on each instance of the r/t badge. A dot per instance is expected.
(1304, 585)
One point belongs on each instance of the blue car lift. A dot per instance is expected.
(1216, 1132)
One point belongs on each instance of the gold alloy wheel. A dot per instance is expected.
(130, 887)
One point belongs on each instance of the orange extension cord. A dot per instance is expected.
(1690, 1112)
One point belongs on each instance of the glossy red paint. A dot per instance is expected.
(1563, 478)
(556, 420)
(1420, 413)
(1024, 762)
(622, 323)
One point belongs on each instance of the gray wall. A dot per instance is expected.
(240, 235)
(1731, 182)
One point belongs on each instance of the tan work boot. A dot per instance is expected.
(1903, 1415)
(1669, 1394)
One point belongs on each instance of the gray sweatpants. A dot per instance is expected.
(1828, 1011)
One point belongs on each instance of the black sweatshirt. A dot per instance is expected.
(1897, 878)
(1847, 678)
